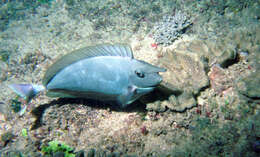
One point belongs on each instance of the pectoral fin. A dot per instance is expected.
(132, 93)
(127, 97)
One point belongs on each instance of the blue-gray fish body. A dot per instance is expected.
(103, 72)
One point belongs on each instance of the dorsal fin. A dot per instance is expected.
(87, 52)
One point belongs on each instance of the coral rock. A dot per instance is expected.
(170, 28)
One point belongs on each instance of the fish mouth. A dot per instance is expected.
(144, 90)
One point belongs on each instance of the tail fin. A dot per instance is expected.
(27, 91)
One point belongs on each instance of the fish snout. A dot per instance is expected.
(159, 78)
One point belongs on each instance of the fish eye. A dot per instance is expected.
(139, 74)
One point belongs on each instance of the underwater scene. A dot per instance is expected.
(129, 78)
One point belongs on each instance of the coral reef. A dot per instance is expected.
(170, 28)
(207, 105)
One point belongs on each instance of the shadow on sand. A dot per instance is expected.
(137, 106)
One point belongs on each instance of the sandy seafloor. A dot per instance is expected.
(207, 104)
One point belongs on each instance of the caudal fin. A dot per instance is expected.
(27, 91)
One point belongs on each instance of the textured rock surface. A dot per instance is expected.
(192, 63)
(185, 71)
(186, 75)
(247, 40)
(222, 48)
(218, 52)
(249, 85)
(170, 28)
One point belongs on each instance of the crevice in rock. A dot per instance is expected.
(201, 90)
(252, 99)
(231, 61)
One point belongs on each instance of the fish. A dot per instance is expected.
(105, 72)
